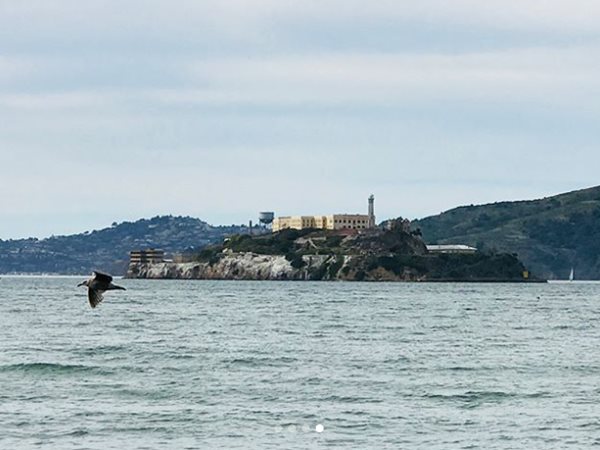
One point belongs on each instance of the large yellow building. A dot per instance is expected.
(331, 222)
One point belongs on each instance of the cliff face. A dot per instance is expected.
(376, 255)
(237, 266)
(252, 266)
(297, 255)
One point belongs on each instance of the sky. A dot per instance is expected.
(117, 110)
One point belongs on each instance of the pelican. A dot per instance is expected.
(97, 284)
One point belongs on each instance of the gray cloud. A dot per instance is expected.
(234, 107)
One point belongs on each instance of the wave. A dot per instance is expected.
(400, 359)
(476, 397)
(351, 399)
(51, 368)
(102, 350)
(258, 362)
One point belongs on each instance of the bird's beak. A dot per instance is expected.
(81, 284)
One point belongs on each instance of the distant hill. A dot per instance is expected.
(550, 235)
(108, 249)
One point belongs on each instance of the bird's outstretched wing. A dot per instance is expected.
(95, 297)
(102, 277)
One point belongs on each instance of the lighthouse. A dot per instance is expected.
(371, 211)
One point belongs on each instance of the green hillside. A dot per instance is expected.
(550, 235)
(108, 249)
(374, 255)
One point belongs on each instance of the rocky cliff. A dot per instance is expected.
(251, 266)
(384, 256)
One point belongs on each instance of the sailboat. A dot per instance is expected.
(571, 275)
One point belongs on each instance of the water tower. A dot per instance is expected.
(266, 217)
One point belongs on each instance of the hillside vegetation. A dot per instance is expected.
(108, 249)
(377, 255)
(550, 235)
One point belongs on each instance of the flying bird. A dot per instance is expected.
(97, 284)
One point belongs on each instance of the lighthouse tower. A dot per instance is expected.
(371, 223)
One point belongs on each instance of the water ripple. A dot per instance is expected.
(258, 365)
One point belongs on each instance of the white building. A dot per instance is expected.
(451, 248)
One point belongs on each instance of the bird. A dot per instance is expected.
(97, 284)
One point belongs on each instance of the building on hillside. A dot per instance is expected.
(398, 224)
(331, 222)
(452, 248)
(148, 256)
(328, 222)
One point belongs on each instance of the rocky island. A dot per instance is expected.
(391, 254)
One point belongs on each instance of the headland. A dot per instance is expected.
(393, 253)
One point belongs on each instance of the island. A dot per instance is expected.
(393, 252)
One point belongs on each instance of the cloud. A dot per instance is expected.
(53, 101)
(229, 103)
(259, 26)
(537, 74)
(575, 15)
(559, 77)
(12, 68)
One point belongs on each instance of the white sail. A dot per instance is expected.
(571, 275)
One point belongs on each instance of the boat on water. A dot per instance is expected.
(572, 275)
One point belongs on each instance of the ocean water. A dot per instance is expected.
(261, 365)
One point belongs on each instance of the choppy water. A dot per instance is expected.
(258, 365)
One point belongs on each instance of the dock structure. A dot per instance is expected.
(148, 256)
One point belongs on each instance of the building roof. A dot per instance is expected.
(451, 248)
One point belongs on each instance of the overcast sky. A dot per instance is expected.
(117, 110)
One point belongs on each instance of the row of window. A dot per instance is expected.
(351, 221)
(356, 226)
